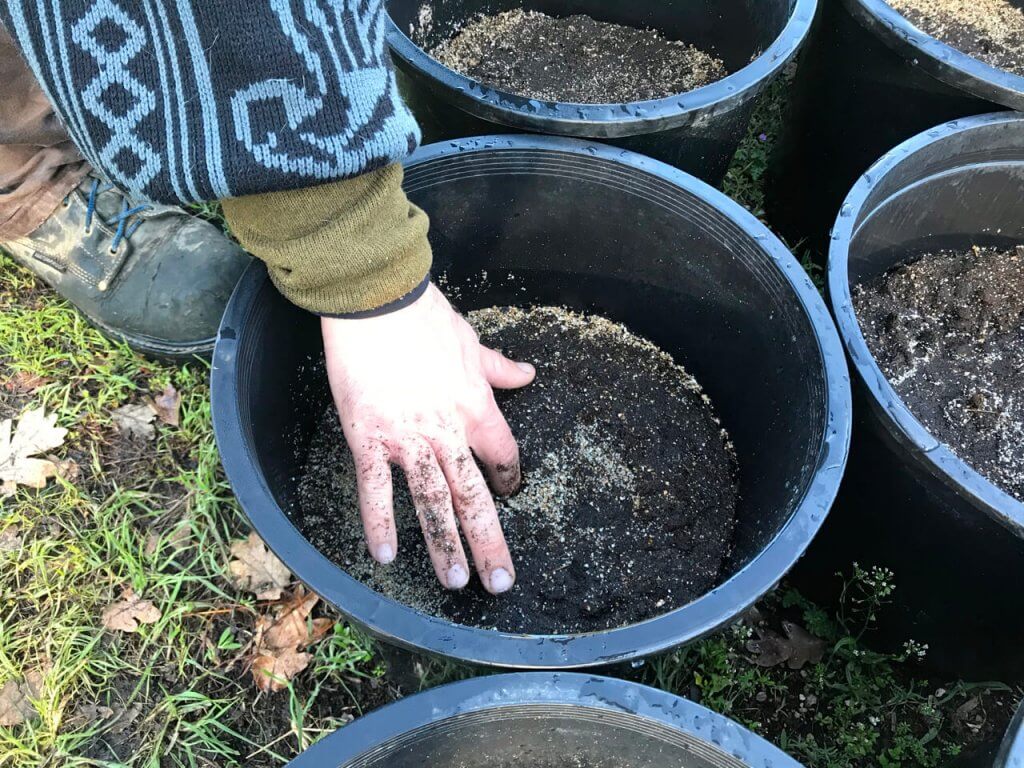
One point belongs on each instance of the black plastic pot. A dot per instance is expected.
(697, 131)
(867, 80)
(953, 539)
(1011, 753)
(541, 719)
(523, 219)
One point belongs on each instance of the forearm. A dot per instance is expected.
(340, 248)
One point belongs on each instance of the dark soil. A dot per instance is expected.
(948, 331)
(629, 495)
(989, 30)
(533, 762)
(575, 60)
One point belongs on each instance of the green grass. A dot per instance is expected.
(119, 524)
(856, 707)
(746, 178)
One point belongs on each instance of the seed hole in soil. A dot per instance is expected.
(948, 332)
(576, 59)
(989, 30)
(628, 500)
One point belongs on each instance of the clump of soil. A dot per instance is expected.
(628, 500)
(948, 331)
(576, 59)
(989, 30)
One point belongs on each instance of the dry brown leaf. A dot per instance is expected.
(67, 469)
(90, 713)
(175, 539)
(135, 421)
(10, 539)
(797, 648)
(168, 406)
(273, 671)
(256, 569)
(16, 699)
(291, 628)
(124, 718)
(24, 382)
(280, 641)
(19, 462)
(129, 612)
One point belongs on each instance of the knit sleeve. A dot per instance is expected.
(343, 249)
(190, 100)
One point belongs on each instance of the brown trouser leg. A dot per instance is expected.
(38, 163)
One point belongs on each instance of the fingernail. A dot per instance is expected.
(385, 554)
(501, 581)
(525, 368)
(456, 578)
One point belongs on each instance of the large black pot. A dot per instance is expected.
(953, 539)
(524, 219)
(1011, 752)
(868, 79)
(543, 720)
(696, 131)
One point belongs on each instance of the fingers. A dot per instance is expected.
(433, 501)
(478, 519)
(373, 481)
(493, 442)
(503, 373)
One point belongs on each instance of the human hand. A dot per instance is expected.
(414, 388)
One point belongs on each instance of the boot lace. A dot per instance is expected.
(126, 220)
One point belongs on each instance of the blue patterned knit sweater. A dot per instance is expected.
(189, 100)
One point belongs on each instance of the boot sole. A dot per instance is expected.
(157, 349)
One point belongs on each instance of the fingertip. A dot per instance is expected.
(456, 577)
(502, 373)
(499, 581)
(384, 554)
(505, 478)
(527, 370)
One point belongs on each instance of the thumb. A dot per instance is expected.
(502, 373)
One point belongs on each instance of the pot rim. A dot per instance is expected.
(1011, 750)
(608, 121)
(940, 60)
(937, 457)
(604, 694)
(403, 626)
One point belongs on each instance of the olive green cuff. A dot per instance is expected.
(340, 248)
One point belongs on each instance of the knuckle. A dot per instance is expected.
(471, 497)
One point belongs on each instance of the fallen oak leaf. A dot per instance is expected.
(273, 671)
(129, 612)
(797, 648)
(290, 628)
(16, 699)
(23, 382)
(175, 539)
(168, 406)
(280, 641)
(67, 469)
(135, 421)
(769, 648)
(10, 539)
(124, 718)
(256, 569)
(19, 462)
(807, 649)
